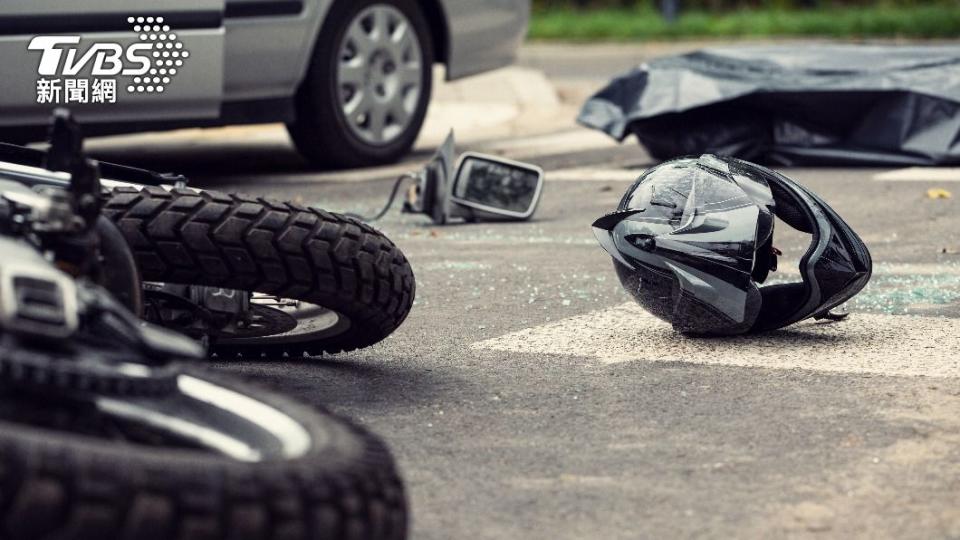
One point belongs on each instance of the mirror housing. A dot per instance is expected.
(470, 191)
(494, 188)
(428, 194)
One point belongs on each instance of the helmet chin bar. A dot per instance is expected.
(836, 266)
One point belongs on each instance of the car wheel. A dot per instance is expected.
(366, 93)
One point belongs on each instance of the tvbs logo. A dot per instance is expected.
(107, 58)
(150, 63)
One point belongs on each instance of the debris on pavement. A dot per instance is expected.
(819, 104)
(938, 193)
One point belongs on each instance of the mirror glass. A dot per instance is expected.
(497, 185)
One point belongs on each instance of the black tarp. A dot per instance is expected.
(792, 104)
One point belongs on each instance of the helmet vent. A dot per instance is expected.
(642, 241)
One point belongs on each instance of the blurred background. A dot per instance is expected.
(580, 20)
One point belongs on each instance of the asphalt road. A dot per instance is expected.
(525, 398)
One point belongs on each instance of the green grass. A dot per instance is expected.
(611, 24)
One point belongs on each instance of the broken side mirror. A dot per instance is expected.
(496, 188)
(480, 188)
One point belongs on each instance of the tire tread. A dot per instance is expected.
(240, 242)
(69, 487)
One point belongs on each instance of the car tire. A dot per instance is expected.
(331, 128)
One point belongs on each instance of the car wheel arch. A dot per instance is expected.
(439, 29)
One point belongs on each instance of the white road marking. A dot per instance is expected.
(577, 140)
(578, 174)
(553, 143)
(864, 343)
(892, 269)
(591, 174)
(920, 174)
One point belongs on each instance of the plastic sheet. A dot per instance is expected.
(792, 105)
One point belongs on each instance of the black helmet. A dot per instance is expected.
(692, 238)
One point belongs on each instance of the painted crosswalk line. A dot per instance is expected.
(592, 174)
(576, 140)
(864, 343)
(920, 174)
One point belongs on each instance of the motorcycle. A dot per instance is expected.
(106, 432)
(246, 275)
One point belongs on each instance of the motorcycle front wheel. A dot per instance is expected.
(210, 459)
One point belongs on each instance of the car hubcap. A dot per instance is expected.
(379, 74)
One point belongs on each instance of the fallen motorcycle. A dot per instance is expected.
(250, 276)
(103, 434)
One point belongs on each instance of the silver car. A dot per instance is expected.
(350, 78)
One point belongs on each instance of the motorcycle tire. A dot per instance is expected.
(56, 482)
(233, 241)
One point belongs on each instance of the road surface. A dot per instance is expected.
(526, 397)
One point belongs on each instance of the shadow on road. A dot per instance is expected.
(332, 382)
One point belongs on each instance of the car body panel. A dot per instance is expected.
(485, 34)
(267, 56)
(242, 52)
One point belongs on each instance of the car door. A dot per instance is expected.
(110, 60)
